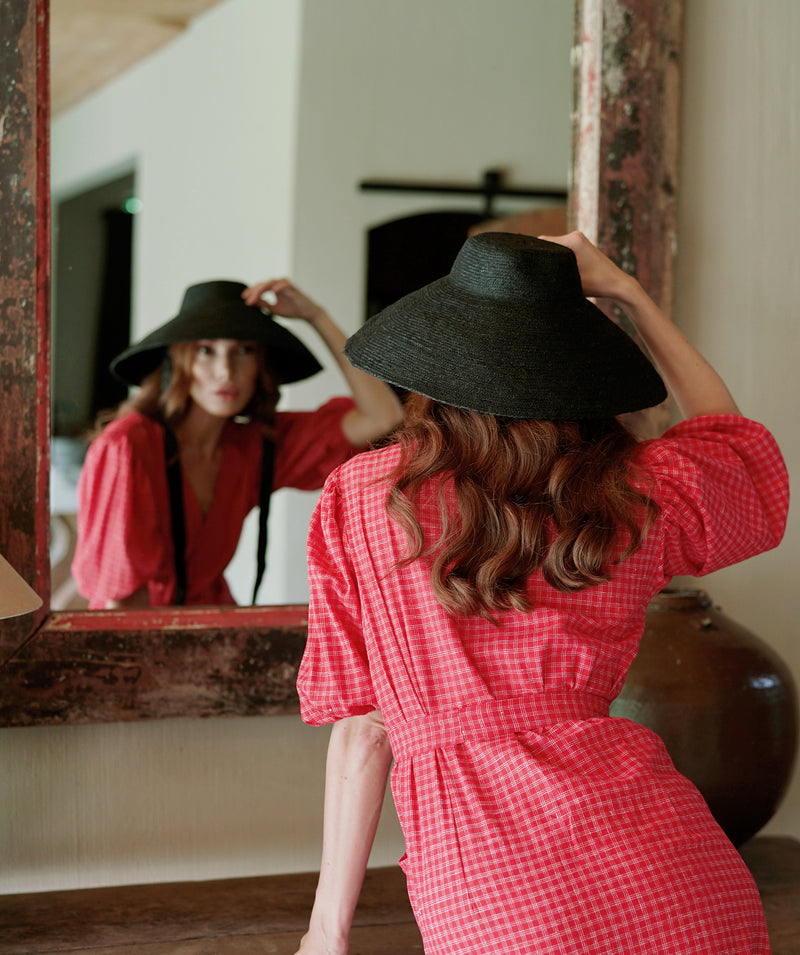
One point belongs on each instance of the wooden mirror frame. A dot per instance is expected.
(105, 666)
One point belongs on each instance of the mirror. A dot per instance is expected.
(71, 666)
(255, 167)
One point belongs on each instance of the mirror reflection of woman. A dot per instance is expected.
(208, 385)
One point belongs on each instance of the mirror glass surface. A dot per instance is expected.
(244, 142)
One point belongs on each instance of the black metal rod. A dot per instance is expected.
(389, 185)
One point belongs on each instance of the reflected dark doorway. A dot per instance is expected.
(91, 301)
(405, 254)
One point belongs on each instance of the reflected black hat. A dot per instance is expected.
(509, 332)
(217, 310)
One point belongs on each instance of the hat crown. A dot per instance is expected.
(508, 266)
(212, 294)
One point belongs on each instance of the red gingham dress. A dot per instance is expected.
(535, 822)
(124, 525)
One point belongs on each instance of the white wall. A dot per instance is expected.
(738, 285)
(430, 91)
(193, 799)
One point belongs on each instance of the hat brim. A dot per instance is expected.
(438, 342)
(289, 358)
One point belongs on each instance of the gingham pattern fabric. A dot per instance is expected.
(124, 537)
(534, 822)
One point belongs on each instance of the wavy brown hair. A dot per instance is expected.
(528, 495)
(168, 400)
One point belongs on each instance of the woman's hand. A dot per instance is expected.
(377, 409)
(693, 383)
(600, 277)
(314, 943)
(287, 300)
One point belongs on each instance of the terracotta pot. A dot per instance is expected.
(724, 703)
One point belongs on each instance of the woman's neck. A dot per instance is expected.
(200, 433)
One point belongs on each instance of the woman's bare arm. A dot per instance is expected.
(359, 757)
(693, 383)
(378, 409)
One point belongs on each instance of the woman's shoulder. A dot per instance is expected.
(132, 424)
(365, 468)
(706, 437)
(129, 433)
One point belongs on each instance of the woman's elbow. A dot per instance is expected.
(367, 735)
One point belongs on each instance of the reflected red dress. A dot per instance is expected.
(124, 535)
(535, 822)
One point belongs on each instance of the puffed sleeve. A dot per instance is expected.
(123, 528)
(723, 488)
(310, 444)
(334, 679)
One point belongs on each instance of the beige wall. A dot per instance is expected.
(738, 286)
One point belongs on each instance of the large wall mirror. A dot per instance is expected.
(68, 666)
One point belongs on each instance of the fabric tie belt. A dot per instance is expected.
(490, 719)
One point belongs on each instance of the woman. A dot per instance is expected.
(167, 484)
(478, 591)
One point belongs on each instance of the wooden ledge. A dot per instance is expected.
(265, 915)
(268, 915)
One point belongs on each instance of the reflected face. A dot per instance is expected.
(224, 374)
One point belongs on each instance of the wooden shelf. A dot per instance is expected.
(268, 914)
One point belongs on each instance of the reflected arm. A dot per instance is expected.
(138, 599)
(378, 409)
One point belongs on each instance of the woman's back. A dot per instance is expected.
(534, 821)
(508, 770)
(704, 474)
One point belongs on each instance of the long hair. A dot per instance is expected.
(514, 496)
(164, 393)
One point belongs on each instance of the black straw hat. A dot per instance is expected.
(217, 310)
(509, 332)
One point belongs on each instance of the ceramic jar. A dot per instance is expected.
(724, 703)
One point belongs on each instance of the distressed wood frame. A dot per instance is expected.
(105, 666)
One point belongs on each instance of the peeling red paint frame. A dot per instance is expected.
(113, 666)
(158, 619)
(43, 269)
(24, 248)
(67, 667)
(626, 135)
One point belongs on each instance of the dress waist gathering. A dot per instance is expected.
(491, 719)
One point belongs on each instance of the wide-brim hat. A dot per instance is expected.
(509, 332)
(217, 310)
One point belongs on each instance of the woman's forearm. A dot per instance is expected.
(378, 409)
(359, 758)
(693, 383)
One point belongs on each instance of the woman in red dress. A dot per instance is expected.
(181, 464)
(478, 591)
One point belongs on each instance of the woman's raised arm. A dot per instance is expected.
(693, 383)
(378, 409)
